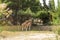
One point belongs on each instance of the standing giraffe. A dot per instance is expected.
(26, 25)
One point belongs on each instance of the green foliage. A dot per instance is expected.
(33, 8)
(56, 16)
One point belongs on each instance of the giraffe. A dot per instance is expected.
(26, 25)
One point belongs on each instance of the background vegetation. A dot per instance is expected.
(11, 11)
(33, 8)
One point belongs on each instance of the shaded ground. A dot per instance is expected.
(28, 35)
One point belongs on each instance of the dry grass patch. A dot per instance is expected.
(56, 29)
(10, 28)
(10, 33)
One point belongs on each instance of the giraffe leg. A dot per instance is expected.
(22, 28)
(29, 28)
(26, 29)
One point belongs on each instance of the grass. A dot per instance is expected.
(55, 29)
(11, 33)
(10, 28)
(8, 31)
(8, 34)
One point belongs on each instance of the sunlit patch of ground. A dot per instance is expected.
(14, 33)
(10, 33)
(27, 35)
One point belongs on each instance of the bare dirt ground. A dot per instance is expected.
(28, 35)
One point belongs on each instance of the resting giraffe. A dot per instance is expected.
(26, 25)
